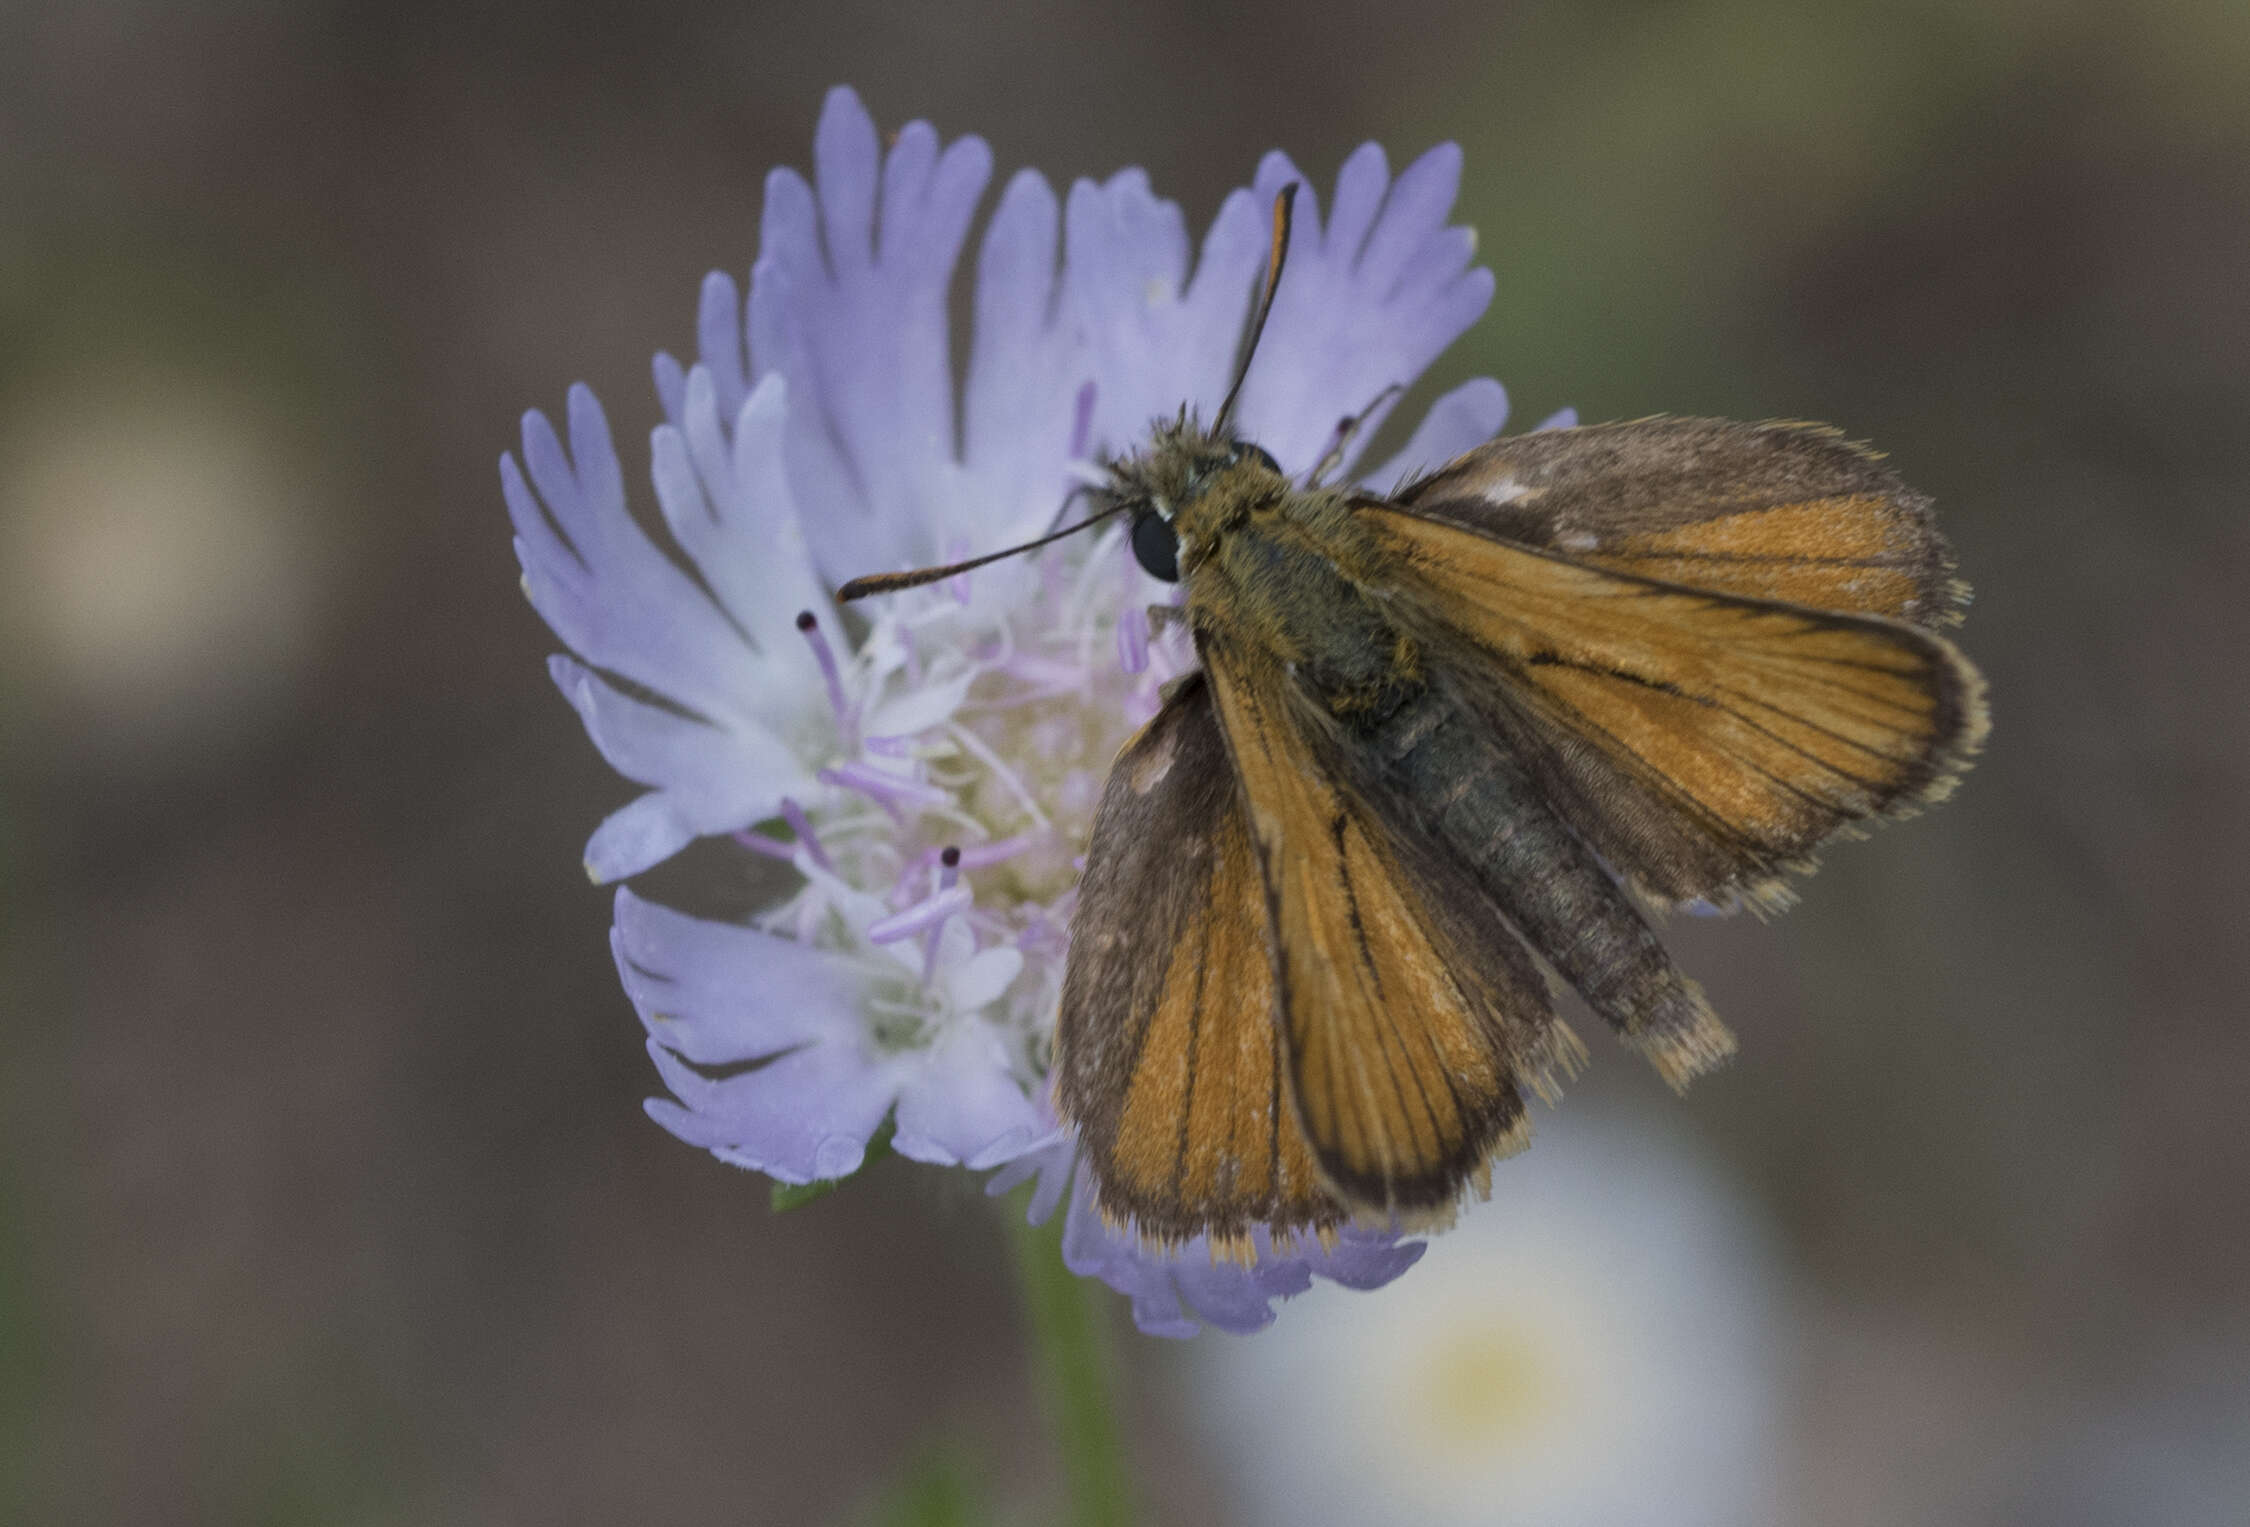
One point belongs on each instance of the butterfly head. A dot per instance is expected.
(1193, 483)
(1186, 489)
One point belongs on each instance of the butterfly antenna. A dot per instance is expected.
(1283, 205)
(891, 583)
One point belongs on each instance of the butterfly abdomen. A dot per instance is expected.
(1440, 768)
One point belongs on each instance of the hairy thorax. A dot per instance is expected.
(1295, 579)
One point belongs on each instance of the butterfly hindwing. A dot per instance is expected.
(1169, 1056)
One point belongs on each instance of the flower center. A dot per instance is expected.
(967, 834)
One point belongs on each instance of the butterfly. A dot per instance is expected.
(1441, 750)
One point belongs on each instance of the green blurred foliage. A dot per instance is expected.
(941, 1486)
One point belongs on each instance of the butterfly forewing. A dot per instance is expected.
(1701, 741)
(1169, 1054)
(1410, 1012)
(1793, 513)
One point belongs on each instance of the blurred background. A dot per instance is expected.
(325, 1192)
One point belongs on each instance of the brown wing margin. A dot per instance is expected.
(1701, 742)
(1410, 1011)
(1169, 1053)
(1788, 512)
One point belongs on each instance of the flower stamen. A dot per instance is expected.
(1132, 640)
(999, 851)
(922, 917)
(885, 790)
(801, 825)
(949, 879)
(824, 655)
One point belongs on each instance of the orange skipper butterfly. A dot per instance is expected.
(1444, 743)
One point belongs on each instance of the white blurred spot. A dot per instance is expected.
(158, 564)
(1598, 1346)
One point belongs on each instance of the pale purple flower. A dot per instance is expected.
(933, 781)
(1178, 1294)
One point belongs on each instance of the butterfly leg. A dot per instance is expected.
(1347, 429)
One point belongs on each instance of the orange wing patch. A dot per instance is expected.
(1843, 553)
(1402, 1052)
(1204, 1127)
(1169, 1050)
(1787, 512)
(1767, 724)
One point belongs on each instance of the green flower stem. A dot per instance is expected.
(1077, 1374)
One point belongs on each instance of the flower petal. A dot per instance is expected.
(642, 833)
(1361, 308)
(800, 1089)
(847, 159)
(917, 709)
(725, 494)
(1228, 1295)
(720, 994)
(671, 378)
(1027, 364)
(712, 777)
(1360, 185)
(1462, 420)
(1419, 203)
(1365, 1259)
(1092, 1250)
(858, 327)
(1051, 1162)
(980, 979)
(719, 338)
(960, 1104)
(805, 1116)
(1158, 341)
(1177, 1293)
(607, 590)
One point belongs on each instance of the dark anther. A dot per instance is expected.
(806, 620)
(950, 857)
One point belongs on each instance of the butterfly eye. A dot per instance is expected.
(1155, 547)
(1257, 453)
